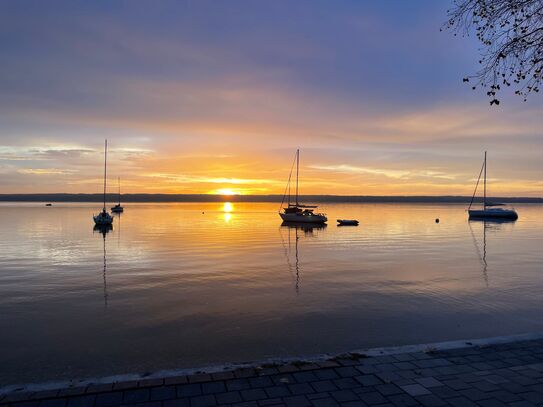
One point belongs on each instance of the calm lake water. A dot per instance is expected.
(172, 287)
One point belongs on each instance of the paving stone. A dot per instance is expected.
(428, 382)
(253, 394)
(368, 380)
(372, 398)
(109, 399)
(82, 401)
(188, 390)
(388, 389)
(136, 396)
(237, 384)
(415, 390)
(172, 403)
(343, 395)
(163, 393)
(347, 371)
(301, 388)
(277, 391)
(492, 403)
(214, 387)
(325, 402)
(261, 381)
(207, 400)
(54, 403)
(305, 377)
(326, 374)
(461, 402)
(429, 400)
(474, 394)
(403, 400)
(324, 385)
(297, 401)
(228, 397)
(346, 383)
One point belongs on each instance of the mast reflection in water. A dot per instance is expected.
(493, 225)
(104, 230)
(307, 229)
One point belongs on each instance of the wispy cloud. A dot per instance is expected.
(46, 171)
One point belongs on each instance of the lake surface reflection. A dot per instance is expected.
(187, 285)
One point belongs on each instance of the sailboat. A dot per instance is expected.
(490, 209)
(104, 218)
(295, 212)
(118, 208)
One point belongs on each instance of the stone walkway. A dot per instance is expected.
(496, 375)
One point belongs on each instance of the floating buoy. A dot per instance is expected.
(437, 220)
(202, 213)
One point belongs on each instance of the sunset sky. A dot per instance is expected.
(201, 96)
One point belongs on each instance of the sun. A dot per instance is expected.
(225, 191)
(228, 207)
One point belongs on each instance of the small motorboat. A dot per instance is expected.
(347, 222)
(48, 204)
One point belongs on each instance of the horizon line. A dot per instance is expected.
(165, 197)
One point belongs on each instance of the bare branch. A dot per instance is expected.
(511, 37)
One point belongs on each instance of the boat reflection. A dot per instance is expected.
(308, 230)
(104, 230)
(493, 225)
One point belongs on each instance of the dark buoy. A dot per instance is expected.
(437, 220)
(202, 213)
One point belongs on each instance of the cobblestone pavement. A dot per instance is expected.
(496, 375)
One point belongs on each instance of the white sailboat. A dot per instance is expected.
(295, 212)
(489, 210)
(118, 208)
(104, 218)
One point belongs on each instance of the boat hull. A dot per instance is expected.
(347, 222)
(117, 209)
(299, 218)
(492, 213)
(103, 219)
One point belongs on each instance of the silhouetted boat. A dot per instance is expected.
(48, 204)
(118, 208)
(347, 222)
(295, 212)
(104, 218)
(490, 209)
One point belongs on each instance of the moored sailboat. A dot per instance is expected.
(490, 209)
(118, 208)
(104, 218)
(296, 212)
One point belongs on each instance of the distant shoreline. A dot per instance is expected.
(253, 198)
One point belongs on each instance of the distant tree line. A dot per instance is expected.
(43, 198)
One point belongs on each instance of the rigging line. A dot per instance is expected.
(287, 187)
(476, 185)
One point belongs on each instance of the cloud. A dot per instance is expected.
(46, 171)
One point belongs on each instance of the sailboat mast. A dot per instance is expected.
(484, 195)
(297, 172)
(105, 173)
(119, 180)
